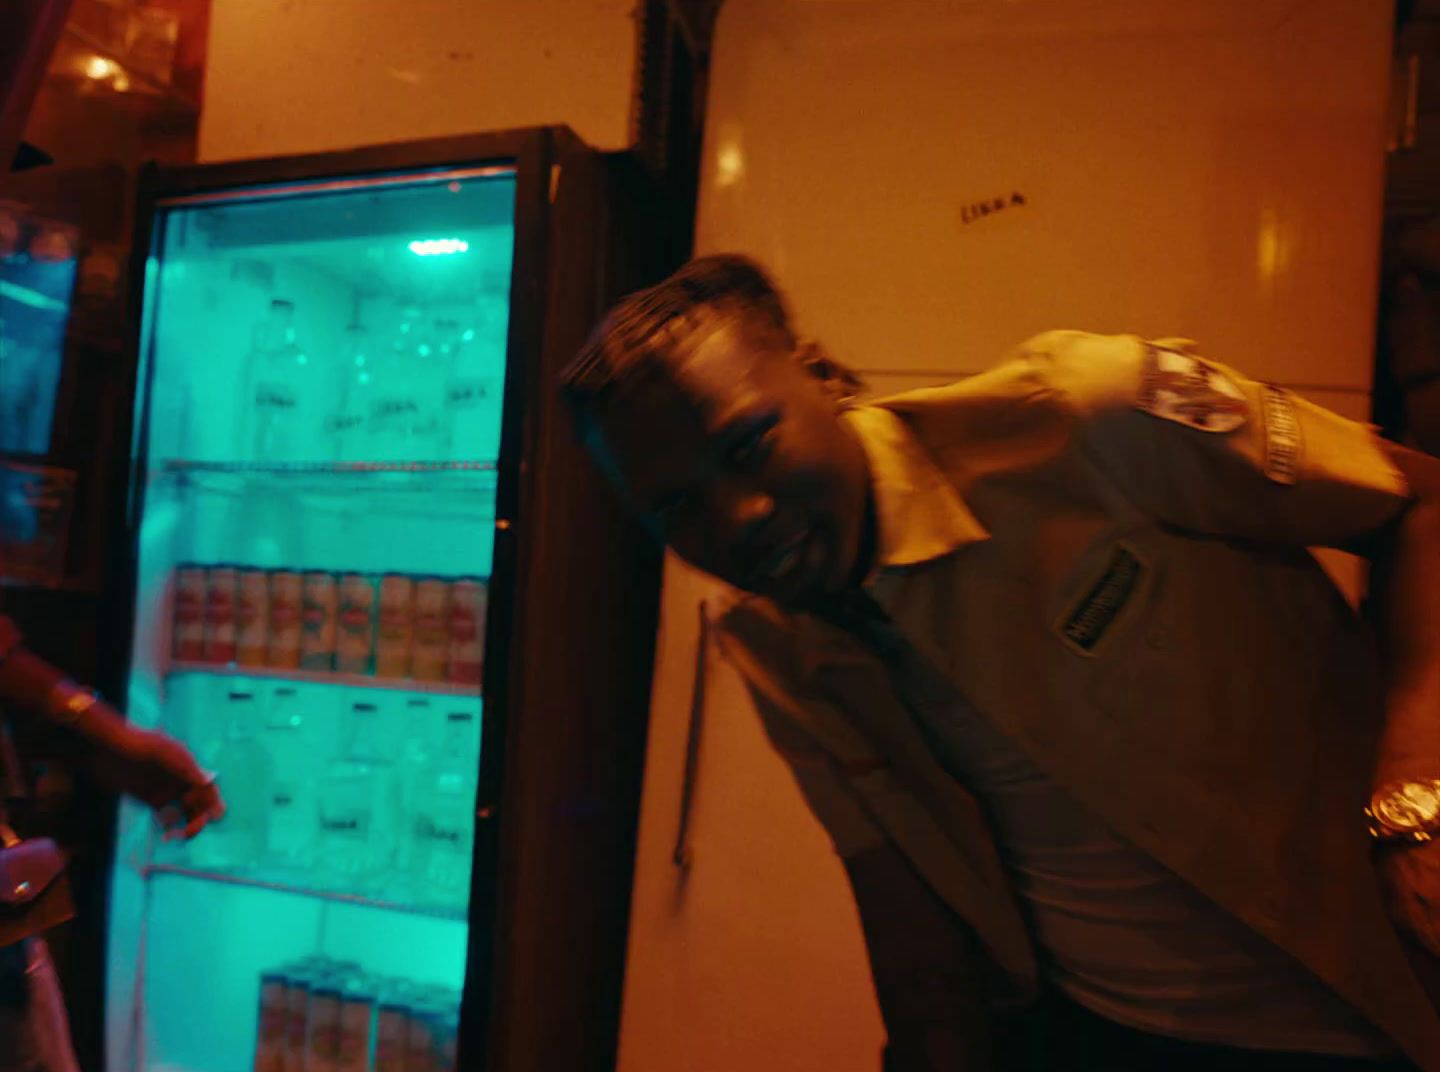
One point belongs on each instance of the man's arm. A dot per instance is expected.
(927, 966)
(1405, 602)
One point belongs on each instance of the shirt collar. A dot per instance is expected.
(919, 514)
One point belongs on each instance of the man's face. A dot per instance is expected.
(741, 463)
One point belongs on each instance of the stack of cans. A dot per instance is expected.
(390, 625)
(325, 1015)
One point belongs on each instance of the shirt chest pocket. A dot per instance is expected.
(1132, 621)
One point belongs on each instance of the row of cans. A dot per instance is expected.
(391, 625)
(323, 1015)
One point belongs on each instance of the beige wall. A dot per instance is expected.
(1209, 168)
(290, 76)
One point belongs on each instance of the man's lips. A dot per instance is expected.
(787, 568)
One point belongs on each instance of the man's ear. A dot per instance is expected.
(840, 383)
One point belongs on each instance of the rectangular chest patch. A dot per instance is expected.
(1088, 621)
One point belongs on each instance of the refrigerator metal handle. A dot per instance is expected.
(683, 856)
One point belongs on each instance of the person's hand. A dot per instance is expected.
(161, 772)
(1410, 878)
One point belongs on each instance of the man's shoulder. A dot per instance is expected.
(1060, 372)
(1042, 392)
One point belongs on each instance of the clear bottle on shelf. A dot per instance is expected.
(243, 773)
(357, 805)
(443, 821)
(414, 758)
(348, 426)
(397, 396)
(291, 827)
(474, 385)
(279, 397)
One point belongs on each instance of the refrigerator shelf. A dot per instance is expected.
(463, 490)
(366, 468)
(320, 677)
(175, 870)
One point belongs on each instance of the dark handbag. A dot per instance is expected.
(34, 889)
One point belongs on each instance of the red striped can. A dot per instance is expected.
(283, 647)
(252, 617)
(396, 627)
(272, 1023)
(468, 598)
(220, 585)
(355, 638)
(430, 658)
(187, 628)
(321, 614)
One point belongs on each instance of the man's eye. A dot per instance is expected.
(750, 451)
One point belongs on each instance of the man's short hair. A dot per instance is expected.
(638, 333)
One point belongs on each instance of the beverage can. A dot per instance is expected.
(355, 637)
(420, 1052)
(220, 614)
(297, 1001)
(322, 1026)
(430, 656)
(391, 1022)
(187, 639)
(283, 645)
(396, 626)
(446, 1026)
(468, 598)
(271, 1024)
(321, 603)
(357, 1022)
(252, 617)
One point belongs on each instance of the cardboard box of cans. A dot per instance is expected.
(390, 625)
(324, 1015)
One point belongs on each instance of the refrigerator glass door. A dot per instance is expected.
(323, 367)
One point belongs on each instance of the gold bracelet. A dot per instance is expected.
(68, 702)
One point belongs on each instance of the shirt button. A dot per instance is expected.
(1157, 638)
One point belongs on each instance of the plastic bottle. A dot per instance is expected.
(396, 398)
(474, 389)
(291, 828)
(357, 805)
(414, 751)
(444, 817)
(348, 426)
(279, 397)
(243, 772)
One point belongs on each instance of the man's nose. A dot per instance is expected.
(754, 509)
(746, 513)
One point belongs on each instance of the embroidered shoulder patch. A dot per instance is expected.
(1282, 436)
(1087, 622)
(1189, 390)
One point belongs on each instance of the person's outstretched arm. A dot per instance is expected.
(49, 708)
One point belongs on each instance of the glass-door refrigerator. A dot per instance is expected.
(374, 589)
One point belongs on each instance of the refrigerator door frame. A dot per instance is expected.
(563, 250)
